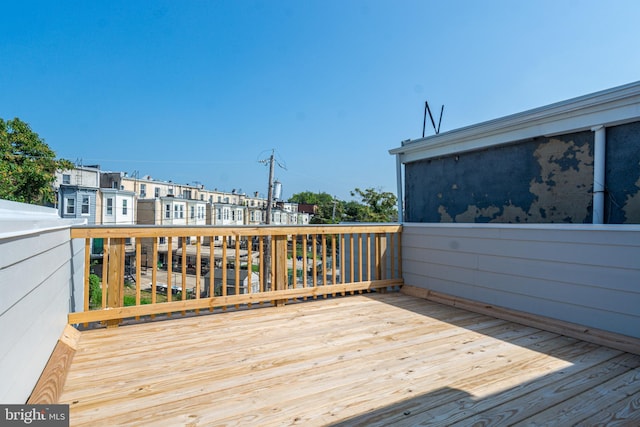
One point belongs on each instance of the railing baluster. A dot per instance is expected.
(294, 258)
(304, 263)
(198, 270)
(183, 265)
(237, 266)
(224, 268)
(169, 269)
(249, 267)
(392, 250)
(212, 268)
(138, 268)
(333, 262)
(87, 274)
(105, 270)
(360, 271)
(369, 254)
(323, 240)
(154, 272)
(342, 256)
(314, 267)
(261, 263)
(399, 244)
(352, 258)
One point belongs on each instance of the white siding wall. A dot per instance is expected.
(589, 275)
(38, 266)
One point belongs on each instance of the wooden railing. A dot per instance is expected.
(133, 271)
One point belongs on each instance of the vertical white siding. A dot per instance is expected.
(589, 275)
(38, 263)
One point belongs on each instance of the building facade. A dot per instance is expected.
(576, 161)
(105, 197)
(77, 193)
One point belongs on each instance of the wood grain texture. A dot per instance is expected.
(610, 339)
(373, 359)
(52, 379)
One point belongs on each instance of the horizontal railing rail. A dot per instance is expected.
(134, 271)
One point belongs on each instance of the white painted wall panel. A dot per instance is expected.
(36, 276)
(583, 274)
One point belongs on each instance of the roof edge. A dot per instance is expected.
(608, 107)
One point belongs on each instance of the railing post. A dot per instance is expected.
(280, 266)
(115, 278)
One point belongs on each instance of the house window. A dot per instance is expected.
(167, 211)
(124, 207)
(218, 214)
(70, 208)
(156, 192)
(163, 241)
(192, 212)
(219, 199)
(178, 211)
(233, 215)
(143, 190)
(110, 206)
(239, 215)
(170, 191)
(66, 179)
(84, 209)
(226, 214)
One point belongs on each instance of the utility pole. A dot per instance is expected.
(270, 192)
(267, 246)
(270, 272)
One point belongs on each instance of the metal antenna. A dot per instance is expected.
(424, 119)
(433, 123)
(440, 120)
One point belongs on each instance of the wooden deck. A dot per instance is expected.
(373, 359)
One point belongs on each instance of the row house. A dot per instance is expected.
(117, 207)
(117, 198)
(77, 193)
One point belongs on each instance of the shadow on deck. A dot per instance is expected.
(372, 359)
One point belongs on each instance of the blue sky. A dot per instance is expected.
(201, 91)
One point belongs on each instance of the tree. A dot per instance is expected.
(329, 208)
(27, 164)
(377, 206)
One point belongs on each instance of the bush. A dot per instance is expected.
(95, 291)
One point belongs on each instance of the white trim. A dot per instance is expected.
(608, 108)
(531, 226)
(21, 219)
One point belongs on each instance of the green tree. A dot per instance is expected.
(376, 206)
(27, 164)
(329, 208)
(353, 211)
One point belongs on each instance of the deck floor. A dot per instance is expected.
(372, 359)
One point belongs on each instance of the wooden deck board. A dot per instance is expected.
(372, 359)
